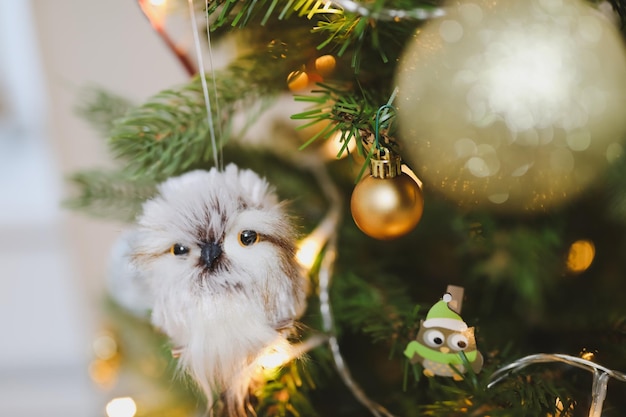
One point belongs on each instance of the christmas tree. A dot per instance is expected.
(434, 146)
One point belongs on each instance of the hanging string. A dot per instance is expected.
(205, 89)
(213, 79)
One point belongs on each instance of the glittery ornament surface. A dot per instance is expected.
(515, 105)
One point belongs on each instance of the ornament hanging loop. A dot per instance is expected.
(378, 122)
(384, 163)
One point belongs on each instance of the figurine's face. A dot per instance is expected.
(445, 340)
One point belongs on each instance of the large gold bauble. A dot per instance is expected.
(513, 104)
(387, 208)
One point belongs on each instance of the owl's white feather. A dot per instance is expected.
(126, 284)
(222, 302)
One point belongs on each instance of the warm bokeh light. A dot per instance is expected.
(121, 407)
(580, 256)
(560, 408)
(308, 249)
(587, 355)
(104, 373)
(274, 357)
(105, 346)
(333, 145)
(155, 11)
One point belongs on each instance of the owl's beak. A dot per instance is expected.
(210, 251)
(444, 349)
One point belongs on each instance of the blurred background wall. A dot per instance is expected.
(52, 262)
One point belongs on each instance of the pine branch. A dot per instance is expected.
(377, 311)
(530, 393)
(284, 393)
(240, 14)
(169, 133)
(351, 113)
(344, 33)
(101, 108)
(112, 195)
(514, 262)
(362, 38)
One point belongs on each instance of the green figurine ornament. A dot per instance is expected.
(441, 339)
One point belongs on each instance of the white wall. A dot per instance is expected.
(52, 262)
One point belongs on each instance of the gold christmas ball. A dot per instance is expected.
(514, 105)
(387, 208)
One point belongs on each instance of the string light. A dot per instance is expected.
(600, 373)
(280, 354)
(156, 11)
(310, 247)
(326, 232)
(121, 407)
(275, 357)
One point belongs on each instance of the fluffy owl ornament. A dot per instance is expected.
(441, 339)
(216, 251)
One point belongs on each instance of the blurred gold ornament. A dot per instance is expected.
(387, 203)
(325, 65)
(580, 256)
(513, 104)
(297, 81)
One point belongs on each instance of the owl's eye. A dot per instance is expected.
(178, 249)
(248, 237)
(434, 338)
(458, 342)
